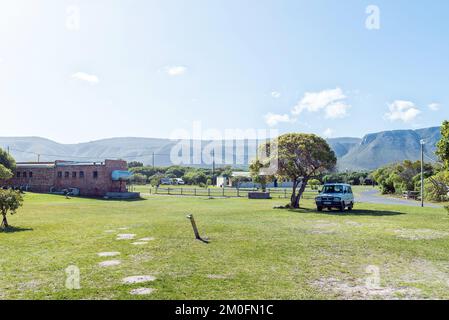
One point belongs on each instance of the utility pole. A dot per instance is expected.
(153, 159)
(38, 158)
(8, 149)
(422, 142)
(213, 166)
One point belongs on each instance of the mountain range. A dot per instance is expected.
(370, 152)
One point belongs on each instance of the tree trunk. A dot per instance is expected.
(294, 201)
(293, 196)
(4, 222)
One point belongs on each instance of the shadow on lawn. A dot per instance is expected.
(12, 229)
(354, 212)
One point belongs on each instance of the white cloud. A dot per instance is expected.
(328, 133)
(175, 70)
(272, 119)
(82, 76)
(315, 101)
(276, 94)
(337, 110)
(405, 111)
(434, 106)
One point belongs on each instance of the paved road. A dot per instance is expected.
(374, 196)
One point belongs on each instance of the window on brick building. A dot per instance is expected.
(59, 174)
(95, 174)
(74, 174)
(30, 175)
(66, 174)
(81, 174)
(18, 174)
(24, 174)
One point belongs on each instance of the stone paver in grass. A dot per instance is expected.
(147, 239)
(109, 231)
(138, 279)
(109, 263)
(123, 228)
(141, 291)
(139, 243)
(108, 254)
(125, 236)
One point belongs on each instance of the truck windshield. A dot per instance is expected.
(333, 189)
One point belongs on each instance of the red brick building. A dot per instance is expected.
(90, 178)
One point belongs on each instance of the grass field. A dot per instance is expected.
(256, 252)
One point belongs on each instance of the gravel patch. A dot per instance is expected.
(138, 279)
(358, 291)
(420, 234)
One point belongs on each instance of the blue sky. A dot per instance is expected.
(77, 70)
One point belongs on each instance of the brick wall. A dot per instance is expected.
(90, 179)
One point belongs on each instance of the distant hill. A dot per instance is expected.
(379, 149)
(370, 152)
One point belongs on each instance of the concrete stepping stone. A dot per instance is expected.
(147, 239)
(109, 263)
(123, 228)
(139, 243)
(125, 236)
(141, 291)
(109, 231)
(108, 254)
(138, 279)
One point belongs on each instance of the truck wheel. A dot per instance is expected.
(342, 207)
(319, 208)
(350, 206)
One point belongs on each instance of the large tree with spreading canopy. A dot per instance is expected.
(297, 157)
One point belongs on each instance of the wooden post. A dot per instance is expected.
(195, 229)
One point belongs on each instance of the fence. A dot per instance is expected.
(225, 192)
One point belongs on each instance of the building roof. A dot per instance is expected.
(23, 165)
(244, 174)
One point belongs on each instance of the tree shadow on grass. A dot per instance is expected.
(346, 213)
(12, 229)
(110, 199)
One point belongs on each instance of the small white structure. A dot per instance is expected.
(233, 181)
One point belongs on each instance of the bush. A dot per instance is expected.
(401, 177)
(314, 184)
(10, 201)
(139, 178)
(435, 187)
(155, 180)
(195, 177)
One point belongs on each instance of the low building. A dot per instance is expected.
(242, 179)
(92, 179)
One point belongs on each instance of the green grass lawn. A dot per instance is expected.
(256, 252)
